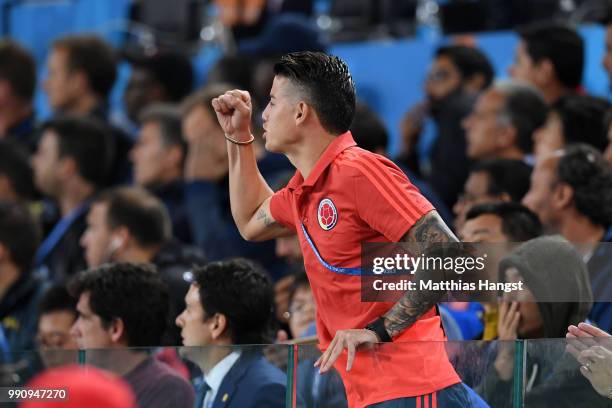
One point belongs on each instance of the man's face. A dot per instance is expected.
(88, 328)
(279, 116)
(549, 137)
(46, 163)
(195, 329)
(140, 91)
(607, 60)
(475, 191)
(443, 79)
(60, 86)
(539, 198)
(486, 228)
(149, 156)
(523, 68)
(302, 311)
(54, 337)
(96, 238)
(482, 125)
(289, 248)
(202, 132)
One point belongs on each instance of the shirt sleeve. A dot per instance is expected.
(280, 208)
(386, 200)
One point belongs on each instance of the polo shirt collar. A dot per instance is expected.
(340, 144)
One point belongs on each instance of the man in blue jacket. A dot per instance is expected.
(231, 303)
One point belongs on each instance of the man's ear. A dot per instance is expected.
(563, 196)
(117, 331)
(506, 136)
(544, 71)
(302, 113)
(474, 84)
(219, 326)
(3, 253)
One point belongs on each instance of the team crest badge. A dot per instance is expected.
(327, 214)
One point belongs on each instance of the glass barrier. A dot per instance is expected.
(524, 373)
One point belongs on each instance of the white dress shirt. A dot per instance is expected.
(215, 377)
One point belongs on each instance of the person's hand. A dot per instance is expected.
(234, 110)
(345, 339)
(581, 337)
(411, 127)
(507, 327)
(597, 368)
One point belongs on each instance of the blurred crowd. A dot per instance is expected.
(119, 235)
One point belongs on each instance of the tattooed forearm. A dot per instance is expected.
(263, 215)
(430, 229)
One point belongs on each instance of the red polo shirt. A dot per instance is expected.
(353, 196)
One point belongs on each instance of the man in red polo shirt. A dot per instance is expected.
(339, 197)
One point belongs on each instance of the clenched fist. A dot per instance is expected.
(234, 110)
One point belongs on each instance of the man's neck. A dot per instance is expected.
(12, 115)
(510, 153)
(122, 361)
(553, 93)
(137, 254)
(83, 106)
(213, 357)
(74, 195)
(9, 274)
(306, 155)
(577, 228)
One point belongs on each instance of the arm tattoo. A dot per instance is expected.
(267, 219)
(428, 230)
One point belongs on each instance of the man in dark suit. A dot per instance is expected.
(231, 303)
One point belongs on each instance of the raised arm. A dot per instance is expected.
(429, 229)
(249, 193)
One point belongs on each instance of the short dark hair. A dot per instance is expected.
(171, 70)
(525, 109)
(15, 165)
(87, 141)
(583, 120)
(144, 216)
(300, 281)
(560, 44)
(19, 234)
(56, 299)
(470, 61)
(241, 291)
(17, 66)
(131, 292)
(93, 56)
(506, 176)
(326, 84)
(368, 129)
(519, 223)
(583, 168)
(168, 117)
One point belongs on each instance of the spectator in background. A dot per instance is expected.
(81, 74)
(121, 307)
(20, 287)
(158, 160)
(165, 77)
(231, 303)
(456, 77)
(492, 181)
(369, 133)
(500, 222)
(17, 86)
(532, 313)
(70, 165)
(503, 121)
(16, 175)
(571, 191)
(608, 126)
(607, 59)
(128, 224)
(207, 192)
(550, 57)
(56, 315)
(573, 119)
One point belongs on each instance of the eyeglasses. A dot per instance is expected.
(438, 75)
